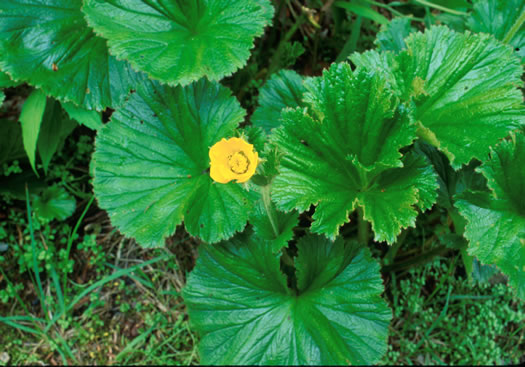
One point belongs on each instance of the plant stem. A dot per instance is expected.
(287, 259)
(515, 27)
(392, 251)
(70, 242)
(267, 202)
(363, 227)
(439, 7)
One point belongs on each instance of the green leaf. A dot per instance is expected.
(291, 51)
(55, 128)
(392, 35)
(255, 136)
(271, 224)
(464, 87)
(31, 119)
(482, 273)
(362, 10)
(451, 182)
(11, 145)
(499, 17)
(151, 164)
(179, 42)
(343, 152)
(5, 81)
(15, 185)
(390, 205)
(48, 44)
(268, 166)
(453, 21)
(2, 97)
(239, 302)
(54, 203)
(284, 89)
(91, 119)
(496, 222)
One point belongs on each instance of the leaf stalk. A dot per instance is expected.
(267, 202)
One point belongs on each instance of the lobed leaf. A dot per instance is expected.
(284, 89)
(499, 17)
(392, 35)
(464, 88)
(5, 81)
(48, 44)
(151, 164)
(451, 182)
(343, 152)
(178, 42)
(496, 221)
(54, 203)
(239, 302)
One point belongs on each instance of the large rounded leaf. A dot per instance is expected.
(343, 152)
(496, 223)
(240, 304)
(151, 164)
(181, 41)
(48, 44)
(464, 88)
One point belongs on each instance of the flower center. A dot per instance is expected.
(238, 163)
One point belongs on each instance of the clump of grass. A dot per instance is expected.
(77, 292)
(443, 318)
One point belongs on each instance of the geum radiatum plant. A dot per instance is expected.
(264, 291)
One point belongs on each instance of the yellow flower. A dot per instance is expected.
(232, 159)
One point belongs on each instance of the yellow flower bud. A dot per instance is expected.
(232, 159)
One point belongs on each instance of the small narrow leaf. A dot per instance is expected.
(362, 10)
(11, 145)
(31, 119)
(55, 128)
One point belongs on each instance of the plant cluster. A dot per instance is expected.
(428, 120)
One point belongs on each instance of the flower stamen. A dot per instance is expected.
(238, 163)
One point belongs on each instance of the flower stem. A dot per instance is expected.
(267, 202)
